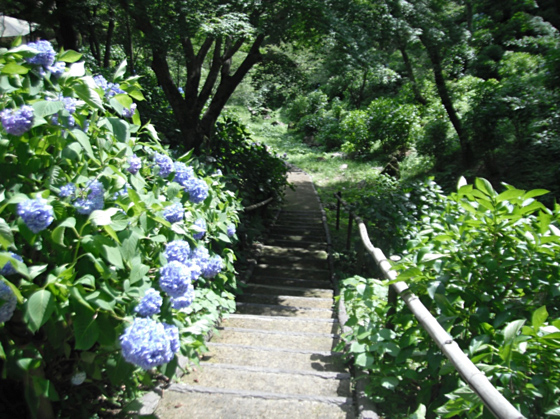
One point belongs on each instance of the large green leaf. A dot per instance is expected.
(539, 317)
(39, 307)
(6, 236)
(85, 327)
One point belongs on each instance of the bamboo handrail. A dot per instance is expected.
(479, 383)
(258, 205)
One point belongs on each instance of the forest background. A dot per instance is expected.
(412, 88)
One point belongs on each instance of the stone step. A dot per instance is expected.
(283, 290)
(266, 250)
(182, 401)
(268, 357)
(294, 261)
(296, 238)
(290, 282)
(276, 339)
(263, 269)
(289, 382)
(302, 244)
(278, 310)
(286, 300)
(281, 323)
(295, 229)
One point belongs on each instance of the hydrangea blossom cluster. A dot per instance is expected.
(78, 378)
(178, 250)
(200, 229)
(197, 190)
(183, 173)
(37, 214)
(175, 278)
(17, 121)
(46, 56)
(164, 163)
(111, 89)
(213, 267)
(8, 268)
(57, 69)
(128, 112)
(92, 200)
(150, 304)
(8, 302)
(67, 191)
(174, 213)
(185, 300)
(134, 164)
(231, 230)
(148, 343)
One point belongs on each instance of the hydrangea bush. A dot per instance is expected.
(115, 255)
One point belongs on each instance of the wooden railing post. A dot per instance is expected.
(339, 195)
(349, 236)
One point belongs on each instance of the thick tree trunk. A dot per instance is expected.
(410, 73)
(66, 30)
(109, 40)
(433, 53)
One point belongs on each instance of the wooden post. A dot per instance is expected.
(339, 197)
(349, 236)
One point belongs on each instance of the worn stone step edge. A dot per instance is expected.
(291, 297)
(278, 332)
(185, 388)
(267, 349)
(303, 282)
(283, 318)
(264, 266)
(322, 310)
(287, 288)
(330, 375)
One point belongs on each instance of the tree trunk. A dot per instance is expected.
(109, 40)
(66, 30)
(410, 73)
(433, 53)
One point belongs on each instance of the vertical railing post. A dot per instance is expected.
(339, 195)
(392, 299)
(349, 236)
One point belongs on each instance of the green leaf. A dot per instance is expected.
(102, 217)
(119, 72)
(539, 317)
(120, 129)
(69, 56)
(6, 236)
(509, 195)
(484, 186)
(86, 331)
(389, 383)
(409, 273)
(555, 411)
(39, 307)
(535, 192)
(83, 139)
(13, 68)
(47, 107)
(57, 234)
(88, 94)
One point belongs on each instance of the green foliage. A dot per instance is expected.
(486, 265)
(84, 272)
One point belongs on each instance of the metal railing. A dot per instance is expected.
(478, 382)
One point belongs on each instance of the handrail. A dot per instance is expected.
(258, 205)
(479, 383)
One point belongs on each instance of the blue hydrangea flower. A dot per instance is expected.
(200, 257)
(150, 304)
(17, 121)
(111, 89)
(231, 230)
(197, 189)
(67, 191)
(93, 199)
(173, 336)
(114, 89)
(183, 173)
(201, 228)
(8, 302)
(37, 214)
(68, 121)
(57, 69)
(128, 112)
(134, 164)
(178, 250)
(175, 278)
(46, 55)
(147, 343)
(122, 192)
(195, 268)
(213, 267)
(101, 82)
(185, 300)
(78, 378)
(181, 91)
(8, 268)
(174, 213)
(164, 163)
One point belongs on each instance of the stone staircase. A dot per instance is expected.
(274, 357)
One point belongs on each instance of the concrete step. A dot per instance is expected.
(283, 290)
(290, 282)
(282, 323)
(269, 357)
(226, 376)
(294, 261)
(263, 269)
(286, 300)
(279, 310)
(296, 238)
(302, 244)
(276, 339)
(266, 250)
(182, 401)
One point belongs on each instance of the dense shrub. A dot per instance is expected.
(486, 265)
(115, 255)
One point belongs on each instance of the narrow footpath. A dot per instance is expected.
(274, 357)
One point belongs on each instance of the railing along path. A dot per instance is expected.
(479, 383)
